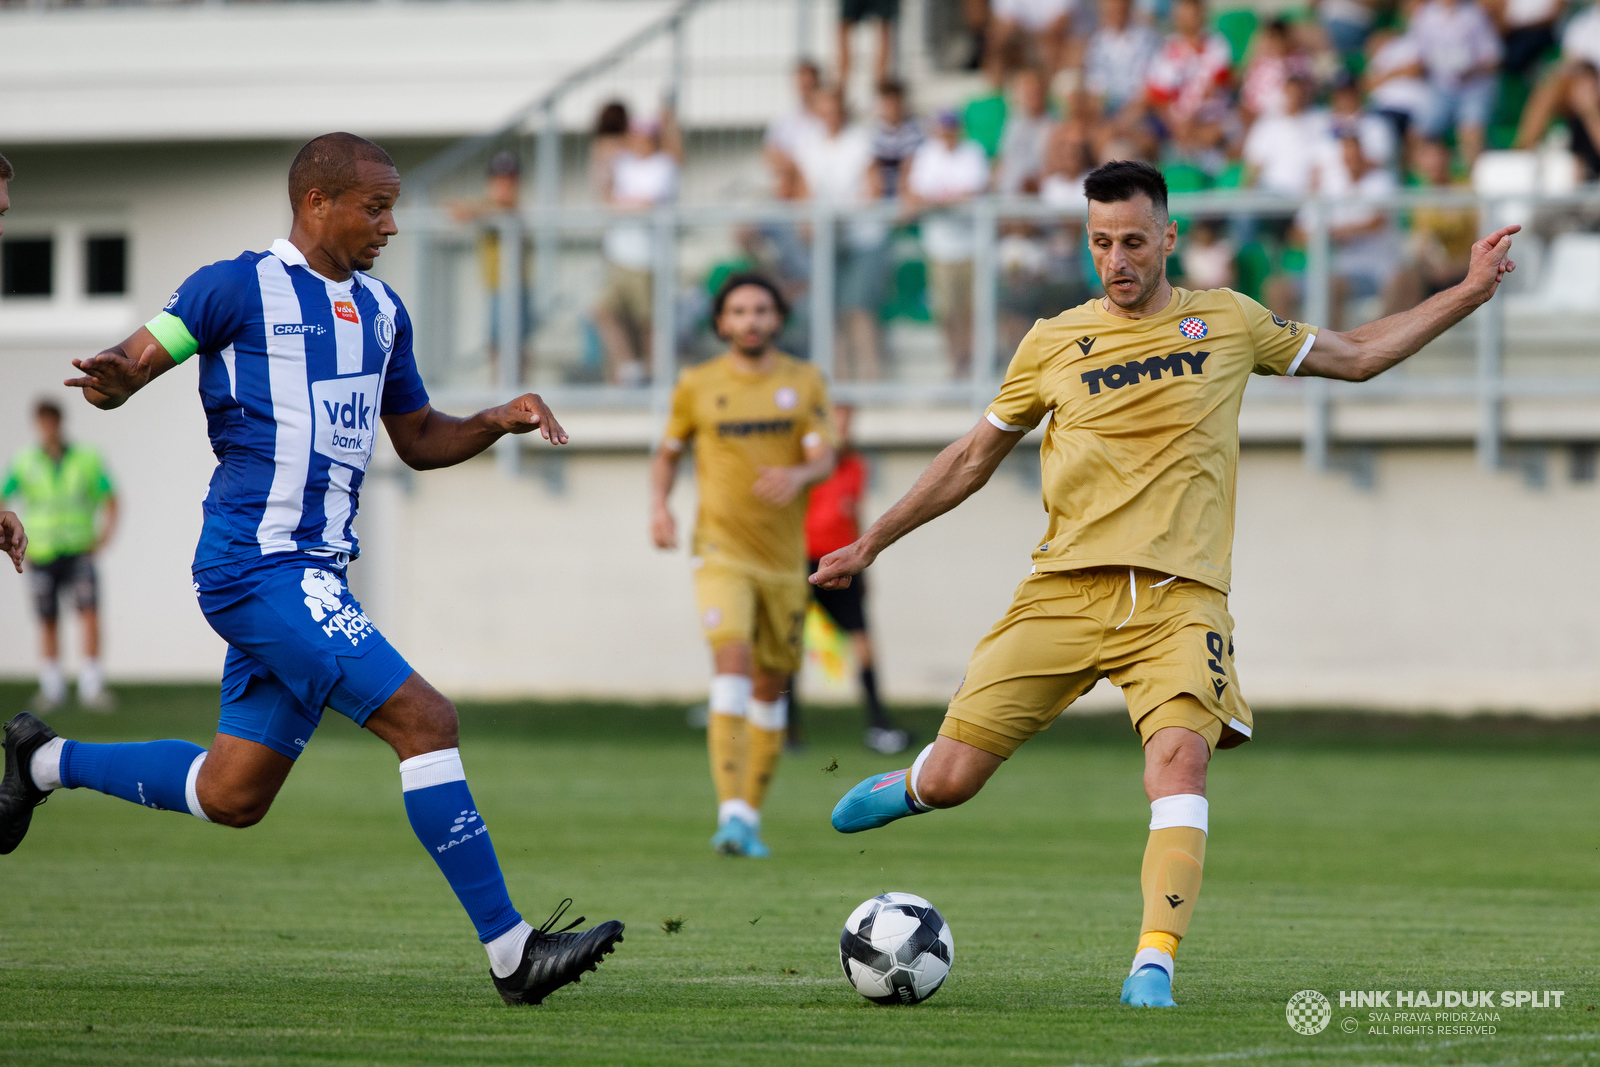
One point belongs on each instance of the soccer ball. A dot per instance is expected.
(896, 949)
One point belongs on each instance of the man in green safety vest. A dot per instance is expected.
(71, 510)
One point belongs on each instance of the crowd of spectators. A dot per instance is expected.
(1349, 98)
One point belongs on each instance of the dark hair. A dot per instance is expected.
(47, 407)
(892, 87)
(6, 170)
(1124, 179)
(739, 281)
(330, 163)
(612, 120)
(809, 65)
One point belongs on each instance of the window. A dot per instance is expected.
(105, 266)
(27, 266)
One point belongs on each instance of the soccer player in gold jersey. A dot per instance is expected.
(1130, 581)
(762, 434)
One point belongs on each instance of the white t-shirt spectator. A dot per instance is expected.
(941, 173)
(1064, 193)
(638, 182)
(1117, 62)
(1522, 13)
(786, 131)
(1408, 95)
(1183, 75)
(1031, 15)
(835, 170)
(1022, 144)
(1453, 40)
(1285, 150)
(1581, 38)
(1373, 255)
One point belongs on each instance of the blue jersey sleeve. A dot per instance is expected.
(403, 390)
(208, 310)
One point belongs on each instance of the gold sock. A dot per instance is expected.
(1171, 880)
(1156, 939)
(727, 736)
(765, 748)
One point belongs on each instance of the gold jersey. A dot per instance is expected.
(740, 423)
(1140, 459)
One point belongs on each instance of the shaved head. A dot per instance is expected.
(331, 163)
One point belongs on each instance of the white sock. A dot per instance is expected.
(45, 767)
(913, 774)
(1147, 956)
(90, 683)
(51, 683)
(505, 951)
(769, 714)
(739, 808)
(730, 694)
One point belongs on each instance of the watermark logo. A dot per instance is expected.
(1308, 1012)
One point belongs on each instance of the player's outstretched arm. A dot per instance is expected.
(427, 439)
(1367, 351)
(13, 539)
(955, 474)
(111, 377)
(663, 473)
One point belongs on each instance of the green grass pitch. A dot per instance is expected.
(1346, 854)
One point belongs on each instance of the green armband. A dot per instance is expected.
(173, 335)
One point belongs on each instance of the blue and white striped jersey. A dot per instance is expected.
(294, 372)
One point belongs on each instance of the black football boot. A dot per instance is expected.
(553, 958)
(18, 795)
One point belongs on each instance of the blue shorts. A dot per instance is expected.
(298, 642)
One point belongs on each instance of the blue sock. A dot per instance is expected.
(446, 821)
(156, 774)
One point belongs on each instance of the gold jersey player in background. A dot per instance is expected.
(1130, 580)
(762, 434)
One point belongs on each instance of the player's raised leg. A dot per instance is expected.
(1175, 781)
(945, 774)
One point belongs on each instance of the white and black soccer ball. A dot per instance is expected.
(896, 949)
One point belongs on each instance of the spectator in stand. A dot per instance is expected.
(833, 520)
(1528, 28)
(1022, 142)
(789, 129)
(836, 167)
(1580, 47)
(1461, 53)
(1118, 59)
(1397, 87)
(1041, 269)
(1042, 24)
(1281, 151)
(71, 507)
(1439, 243)
(1346, 22)
(1348, 115)
(1208, 257)
(984, 116)
(643, 176)
(1366, 245)
(610, 137)
(853, 13)
(1272, 60)
(1579, 108)
(1068, 160)
(501, 196)
(946, 172)
(895, 137)
(1192, 68)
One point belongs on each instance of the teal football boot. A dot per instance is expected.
(729, 838)
(876, 802)
(753, 846)
(1149, 987)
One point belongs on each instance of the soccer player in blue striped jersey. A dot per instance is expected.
(301, 356)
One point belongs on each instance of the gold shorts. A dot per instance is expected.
(1068, 629)
(739, 602)
(627, 294)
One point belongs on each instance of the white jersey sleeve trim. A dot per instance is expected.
(1311, 339)
(811, 440)
(1000, 424)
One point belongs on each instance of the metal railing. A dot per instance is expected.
(571, 237)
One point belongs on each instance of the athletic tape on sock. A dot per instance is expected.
(914, 774)
(505, 951)
(45, 766)
(431, 768)
(769, 714)
(730, 694)
(737, 808)
(1183, 809)
(1152, 955)
(190, 794)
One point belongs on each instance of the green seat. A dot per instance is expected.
(1238, 27)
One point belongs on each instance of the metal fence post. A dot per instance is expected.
(547, 193)
(663, 308)
(985, 222)
(675, 85)
(508, 325)
(822, 261)
(1490, 338)
(1319, 404)
(802, 49)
